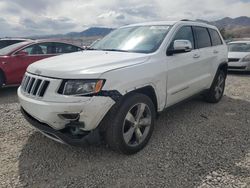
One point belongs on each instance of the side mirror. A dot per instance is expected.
(22, 53)
(180, 46)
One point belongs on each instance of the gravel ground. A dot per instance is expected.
(195, 144)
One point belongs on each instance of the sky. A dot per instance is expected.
(42, 17)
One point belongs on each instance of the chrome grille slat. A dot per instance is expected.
(40, 88)
(44, 88)
(31, 82)
(24, 78)
(233, 59)
(24, 81)
(38, 84)
(34, 86)
(26, 84)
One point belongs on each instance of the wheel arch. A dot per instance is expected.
(148, 91)
(224, 67)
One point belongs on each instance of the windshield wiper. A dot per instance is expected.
(114, 50)
(91, 49)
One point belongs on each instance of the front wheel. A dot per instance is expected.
(216, 91)
(130, 124)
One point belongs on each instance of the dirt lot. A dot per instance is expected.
(195, 144)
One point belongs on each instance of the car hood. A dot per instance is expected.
(85, 64)
(238, 55)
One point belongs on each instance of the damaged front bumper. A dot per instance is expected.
(63, 136)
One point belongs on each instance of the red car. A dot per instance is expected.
(15, 59)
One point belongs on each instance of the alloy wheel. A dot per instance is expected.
(219, 86)
(136, 125)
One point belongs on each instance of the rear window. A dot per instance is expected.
(12, 47)
(215, 37)
(202, 37)
(5, 43)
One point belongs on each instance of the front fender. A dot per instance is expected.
(151, 73)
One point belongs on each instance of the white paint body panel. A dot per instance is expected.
(174, 78)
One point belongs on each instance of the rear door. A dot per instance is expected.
(208, 55)
(35, 52)
(218, 51)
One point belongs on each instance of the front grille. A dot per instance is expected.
(238, 68)
(233, 59)
(34, 86)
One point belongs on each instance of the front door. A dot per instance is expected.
(186, 71)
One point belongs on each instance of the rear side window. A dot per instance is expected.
(66, 48)
(40, 49)
(215, 37)
(202, 37)
(185, 33)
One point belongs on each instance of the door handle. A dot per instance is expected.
(216, 52)
(4, 62)
(196, 56)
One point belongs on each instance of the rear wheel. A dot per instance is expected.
(130, 124)
(216, 91)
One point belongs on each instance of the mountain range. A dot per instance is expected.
(234, 27)
(231, 27)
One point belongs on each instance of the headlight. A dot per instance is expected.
(246, 59)
(81, 87)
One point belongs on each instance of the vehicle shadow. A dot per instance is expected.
(8, 95)
(190, 141)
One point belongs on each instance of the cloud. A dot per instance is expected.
(27, 17)
(47, 24)
(112, 15)
(36, 6)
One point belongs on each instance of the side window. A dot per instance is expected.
(215, 37)
(40, 49)
(66, 48)
(202, 37)
(185, 33)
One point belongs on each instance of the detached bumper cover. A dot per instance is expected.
(92, 137)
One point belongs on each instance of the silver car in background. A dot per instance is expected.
(239, 56)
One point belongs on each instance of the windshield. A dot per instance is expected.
(9, 49)
(139, 39)
(239, 47)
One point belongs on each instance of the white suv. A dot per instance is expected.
(113, 90)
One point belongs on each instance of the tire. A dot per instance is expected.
(1, 80)
(128, 129)
(216, 91)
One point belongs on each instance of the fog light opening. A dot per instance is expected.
(70, 117)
